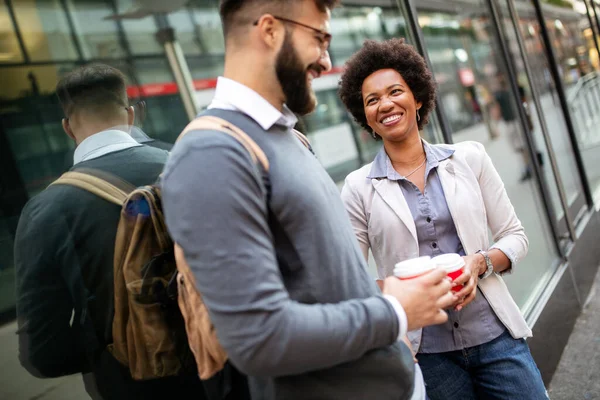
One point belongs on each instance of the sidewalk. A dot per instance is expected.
(578, 374)
(17, 384)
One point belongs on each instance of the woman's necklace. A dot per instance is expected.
(416, 169)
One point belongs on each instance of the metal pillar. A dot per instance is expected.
(410, 11)
(179, 67)
(562, 97)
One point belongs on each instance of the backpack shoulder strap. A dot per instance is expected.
(304, 140)
(95, 185)
(208, 122)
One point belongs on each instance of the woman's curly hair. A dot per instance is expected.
(394, 54)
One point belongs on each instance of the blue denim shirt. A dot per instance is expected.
(476, 323)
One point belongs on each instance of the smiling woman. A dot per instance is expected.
(389, 56)
(418, 199)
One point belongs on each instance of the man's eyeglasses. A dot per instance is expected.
(323, 37)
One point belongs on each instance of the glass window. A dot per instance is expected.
(479, 105)
(350, 26)
(207, 22)
(97, 35)
(207, 60)
(165, 113)
(551, 113)
(10, 51)
(45, 30)
(582, 85)
(140, 32)
(34, 150)
(31, 119)
(187, 31)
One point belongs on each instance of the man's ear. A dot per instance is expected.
(67, 128)
(130, 115)
(269, 30)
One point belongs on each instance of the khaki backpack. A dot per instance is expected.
(161, 326)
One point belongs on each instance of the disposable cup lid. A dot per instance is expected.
(449, 262)
(413, 267)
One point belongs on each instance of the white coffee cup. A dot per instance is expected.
(453, 264)
(413, 268)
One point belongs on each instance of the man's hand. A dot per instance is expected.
(407, 342)
(474, 266)
(423, 298)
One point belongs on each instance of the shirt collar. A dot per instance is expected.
(102, 143)
(232, 95)
(382, 166)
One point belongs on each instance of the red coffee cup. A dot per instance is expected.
(453, 264)
(413, 268)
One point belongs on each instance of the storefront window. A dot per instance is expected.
(351, 26)
(475, 93)
(45, 30)
(97, 35)
(550, 112)
(9, 45)
(582, 85)
(140, 32)
(209, 39)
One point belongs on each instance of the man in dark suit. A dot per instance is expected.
(65, 242)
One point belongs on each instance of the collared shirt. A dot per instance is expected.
(232, 95)
(436, 233)
(103, 143)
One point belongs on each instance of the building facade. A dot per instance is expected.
(543, 57)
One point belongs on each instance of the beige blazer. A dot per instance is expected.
(477, 201)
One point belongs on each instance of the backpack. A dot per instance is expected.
(161, 326)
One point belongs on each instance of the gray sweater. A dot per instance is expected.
(291, 300)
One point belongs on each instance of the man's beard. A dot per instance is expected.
(292, 76)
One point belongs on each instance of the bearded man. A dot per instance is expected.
(274, 255)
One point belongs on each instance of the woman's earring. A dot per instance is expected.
(418, 116)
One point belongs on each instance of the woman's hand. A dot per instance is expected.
(474, 266)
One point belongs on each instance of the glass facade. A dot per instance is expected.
(40, 40)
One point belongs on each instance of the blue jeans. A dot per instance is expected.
(502, 369)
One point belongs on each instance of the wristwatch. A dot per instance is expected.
(488, 263)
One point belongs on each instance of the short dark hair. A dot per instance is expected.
(231, 10)
(96, 88)
(394, 54)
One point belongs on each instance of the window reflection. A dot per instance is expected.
(582, 85)
(45, 30)
(140, 32)
(479, 104)
(97, 35)
(550, 112)
(9, 45)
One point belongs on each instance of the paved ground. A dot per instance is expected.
(17, 384)
(578, 374)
